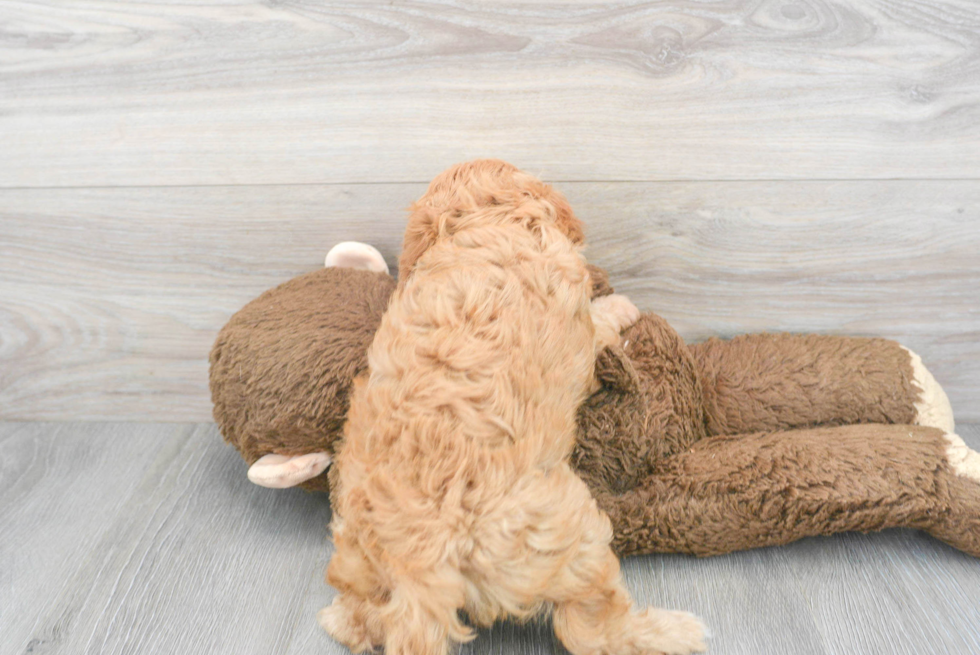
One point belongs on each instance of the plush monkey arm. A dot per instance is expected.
(779, 381)
(782, 381)
(745, 491)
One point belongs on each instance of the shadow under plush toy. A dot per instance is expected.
(703, 449)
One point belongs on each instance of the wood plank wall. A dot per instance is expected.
(741, 165)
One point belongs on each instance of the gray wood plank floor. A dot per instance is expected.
(147, 538)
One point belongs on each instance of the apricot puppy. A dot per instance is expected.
(454, 490)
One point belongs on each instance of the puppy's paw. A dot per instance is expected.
(672, 633)
(615, 310)
(611, 315)
(340, 624)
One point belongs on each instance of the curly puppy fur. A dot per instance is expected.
(454, 489)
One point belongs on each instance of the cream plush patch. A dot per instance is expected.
(282, 471)
(933, 408)
(964, 460)
(354, 254)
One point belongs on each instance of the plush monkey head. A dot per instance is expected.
(282, 367)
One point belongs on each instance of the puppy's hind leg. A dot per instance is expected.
(421, 619)
(599, 618)
(593, 609)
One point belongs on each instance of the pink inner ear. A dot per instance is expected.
(282, 471)
(354, 254)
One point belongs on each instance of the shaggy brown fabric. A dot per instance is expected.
(600, 281)
(764, 489)
(282, 367)
(958, 522)
(761, 382)
(649, 407)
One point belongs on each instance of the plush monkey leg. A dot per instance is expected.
(745, 491)
(779, 381)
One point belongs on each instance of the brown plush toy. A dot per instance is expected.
(702, 449)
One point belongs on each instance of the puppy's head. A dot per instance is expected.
(474, 188)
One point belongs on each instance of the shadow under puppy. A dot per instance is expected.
(453, 485)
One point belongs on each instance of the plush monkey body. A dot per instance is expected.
(703, 449)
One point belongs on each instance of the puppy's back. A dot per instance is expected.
(487, 345)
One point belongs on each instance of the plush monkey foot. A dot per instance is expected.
(932, 408)
(959, 525)
(964, 461)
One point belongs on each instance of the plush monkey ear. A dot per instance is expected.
(600, 281)
(282, 471)
(354, 254)
(615, 370)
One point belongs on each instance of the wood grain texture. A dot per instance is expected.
(166, 93)
(149, 538)
(60, 488)
(126, 538)
(110, 299)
